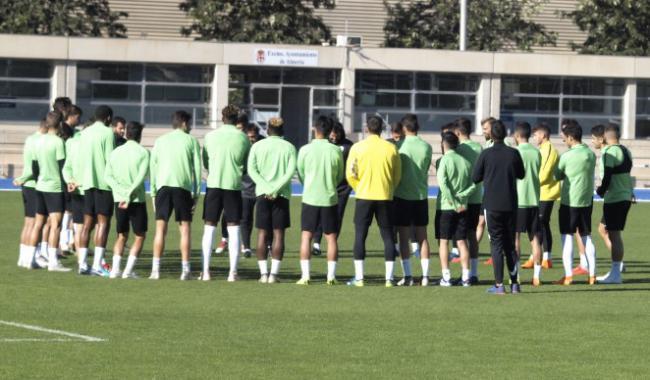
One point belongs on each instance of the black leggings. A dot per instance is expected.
(544, 235)
(501, 227)
(360, 236)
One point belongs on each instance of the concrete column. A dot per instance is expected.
(71, 81)
(483, 99)
(495, 97)
(628, 127)
(219, 93)
(346, 87)
(58, 81)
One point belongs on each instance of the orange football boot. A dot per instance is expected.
(529, 264)
(564, 281)
(577, 271)
(547, 264)
(488, 261)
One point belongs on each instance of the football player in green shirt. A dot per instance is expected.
(126, 170)
(320, 169)
(71, 170)
(175, 177)
(95, 145)
(617, 191)
(271, 165)
(27, 183)
(411, 203)
(225, 152)
(48, 158)
(576, 171)
(528, 192)
(68, 236)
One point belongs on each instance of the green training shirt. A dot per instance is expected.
(454, 178)
(470, 150)
(176, 162)
(621, 186)
(49, 149)
(72, 166)
(271, 165)
(224, 155)
(576, 171)
(528, 188)
(320, 169)
(27, 178)
(415, 155)
(95, 145)
(126, 170)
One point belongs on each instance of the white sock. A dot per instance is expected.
(414, 247)
(21, 254)
(537, 269)
(546, 256)
(71, 235)
(424, 263)
(155, 264)
(30, 252)
(206, 246)
(275, 267)
(185, 266)
(233, 247)
(97, 259)
(473, 267)
(616, 269)
(406, 267)
(264, 267)
(52, 260)
(331, 270)
(116, 264)
(81, 259)
(567, 255)
(390, 266)
(304, 268)
(317, 246)
(130, 263)
(583, 258)
(446, 274)
(358, 269)
(43, 248)
(590, 254)
(465, 275)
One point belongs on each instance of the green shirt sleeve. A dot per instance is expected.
(300, 165)
(143, 168)
(558, 173)
(27, 163)
(444, 182)
(197, 168)
(280, 182)
(253, 170)
(340, 168)
(153, 170)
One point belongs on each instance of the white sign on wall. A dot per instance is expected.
(285, 57)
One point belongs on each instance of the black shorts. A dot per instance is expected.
(528, 221)
(217, 201)
(174, 199)
(574, 219)
(272, 214)
(474, 211)
(136, 214)
(29, 201)
(77, 207)
(365, 210)
(314, 216)
(436, 224)
(98, 202)
(68, 201)
(615, 215)
(47, 203)
(453, 225)
(411, 213)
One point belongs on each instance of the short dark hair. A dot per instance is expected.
(104, 114)
(522, 128)
(375, 124)
(275, 127)
(447, 127)
(230, 114)
(397, 127)
(53, 119)
(64, 131)
(117, 120)
(252, 128)
(613, 127)
(75, 111)
(566, 122)
(544, 127)
(62, 104)
(242, 119)
(134, 131)
(179, 118)
(572, 129)
(463, 126)
(498, 130)
(410, 123)
(450, 139)
(488, 120)
(323, 125)
(338, 129)
(598, 130)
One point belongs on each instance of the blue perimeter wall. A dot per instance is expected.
(642, 195)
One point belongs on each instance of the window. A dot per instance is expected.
(643, 109)
(591, 101)
(24, 90)
(436, 98)
(149, 93)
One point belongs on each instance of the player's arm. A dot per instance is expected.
(153, 171)
(479, 168)
(204, 155)
(300, 165)
(444, 183)
(60, 158)
(196, 165)
(397, 169)
(340, 167)
(253, 170)
(143, 169)
(558, 173)
(352, 169)
(286, 177)
(608, 169)
(109, 145)
(27, 167)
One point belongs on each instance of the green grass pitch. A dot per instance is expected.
(173, 329)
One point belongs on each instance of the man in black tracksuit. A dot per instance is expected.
(498, 168)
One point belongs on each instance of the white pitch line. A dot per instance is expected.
(85, 338)
(11, 340)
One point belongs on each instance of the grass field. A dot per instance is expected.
(173, 329)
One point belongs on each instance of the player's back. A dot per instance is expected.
(528, 188)
(95, 145)
(174, 158)
(224, 153)
(578, 165)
